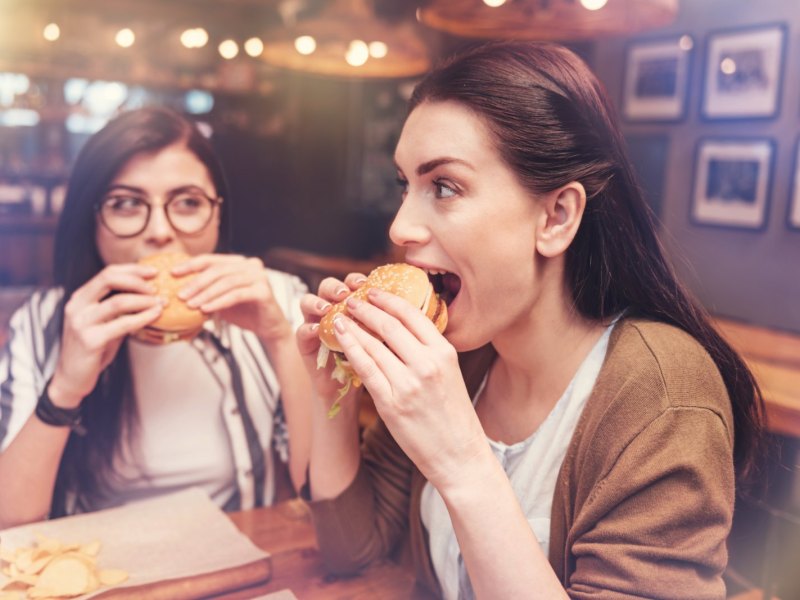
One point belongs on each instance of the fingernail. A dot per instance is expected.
(314, 327)
(374, 293)
(341, 291)
(323, 306)
(360, 279)
(353, 302)
(338, 324)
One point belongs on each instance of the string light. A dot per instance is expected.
(254, 47)
(228, 49)
(305, 45)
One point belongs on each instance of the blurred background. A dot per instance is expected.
(304, 99)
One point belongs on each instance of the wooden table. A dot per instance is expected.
(286, 532)
(774, 358)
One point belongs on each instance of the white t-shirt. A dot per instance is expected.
(181, 399)
(532, 466)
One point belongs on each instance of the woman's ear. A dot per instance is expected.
(561, 215)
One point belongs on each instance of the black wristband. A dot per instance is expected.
(50, 414)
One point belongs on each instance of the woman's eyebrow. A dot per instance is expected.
(430, 165)
(132, 188)
(127, 188)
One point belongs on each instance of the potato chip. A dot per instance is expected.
(54, 569)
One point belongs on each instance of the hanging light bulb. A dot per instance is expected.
(125, 38)
(592, 4)
(194, 38)
(51, 32)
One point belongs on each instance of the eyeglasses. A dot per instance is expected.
(127, 215)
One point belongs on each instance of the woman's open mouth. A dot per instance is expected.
(445, 284)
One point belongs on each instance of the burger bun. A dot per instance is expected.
(177, 321)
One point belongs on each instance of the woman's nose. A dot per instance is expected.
(159, 227)
(409, 227)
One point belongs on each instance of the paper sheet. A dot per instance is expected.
(175, 536)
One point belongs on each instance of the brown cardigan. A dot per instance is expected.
(644, 498)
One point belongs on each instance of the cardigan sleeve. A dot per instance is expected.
(369, 518)
(656, 524)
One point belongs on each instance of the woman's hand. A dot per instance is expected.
(237, 288)
(117, 301)
(314, 307)
(416, 384)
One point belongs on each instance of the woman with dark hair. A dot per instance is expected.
(578, 429)
(93, 417)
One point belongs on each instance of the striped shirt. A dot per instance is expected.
(251, 409)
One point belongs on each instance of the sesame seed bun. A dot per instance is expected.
(404, 280)
(177, 321)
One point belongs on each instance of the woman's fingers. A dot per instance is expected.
(371, 359)
(127, 278)
(402, 327)
(125, 325)
(115, 306)
(237, 286)
(308, 339)
(333, 290)
(313, 307)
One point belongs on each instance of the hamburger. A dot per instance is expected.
(410, 283)
(177, 320)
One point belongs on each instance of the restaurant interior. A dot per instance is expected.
(304, 100)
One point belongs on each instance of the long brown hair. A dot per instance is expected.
(552, 123)
(87, 463)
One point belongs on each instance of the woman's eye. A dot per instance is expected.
(402, 183)
(125, 204)
(443, 190)
(187, 203)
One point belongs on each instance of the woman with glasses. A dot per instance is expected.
(90, 416)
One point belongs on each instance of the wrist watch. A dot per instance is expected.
(50, 414)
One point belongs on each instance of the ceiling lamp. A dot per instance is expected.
(347, 39)
(555, 20)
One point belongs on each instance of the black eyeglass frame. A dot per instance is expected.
(98, 208)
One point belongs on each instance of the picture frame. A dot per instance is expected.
(793, 216)
(732, 182)
(656, 81)
(744, 72)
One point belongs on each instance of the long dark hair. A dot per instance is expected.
(552, 123)
(108, 411)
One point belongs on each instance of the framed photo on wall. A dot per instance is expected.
(732, 182)
(794, 200)
(744, 72)
(656, 79)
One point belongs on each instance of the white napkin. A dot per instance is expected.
(171, 537)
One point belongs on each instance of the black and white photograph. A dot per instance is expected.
(794, 200)
(656, 79)
(732, 182)
(743, 74)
